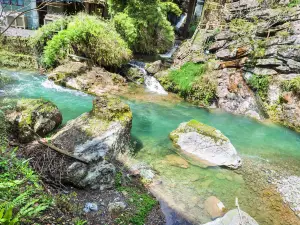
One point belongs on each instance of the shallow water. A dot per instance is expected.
(188, 188)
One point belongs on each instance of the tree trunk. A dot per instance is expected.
(190, 14)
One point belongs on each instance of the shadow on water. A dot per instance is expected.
(136, 144)
(172, 217)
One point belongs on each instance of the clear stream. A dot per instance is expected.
(265, 148)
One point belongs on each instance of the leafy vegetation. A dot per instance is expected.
(22, 198)
(260, 84)
(144, 26)
(294, 3)
(86, 36)
(203, 91)
(242, 27)
(192, 82)
(140, 203)
(46, 33)
(292, 85)
(184, 77)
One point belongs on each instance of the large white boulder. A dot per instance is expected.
(206, 144)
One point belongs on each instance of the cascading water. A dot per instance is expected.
(170, 53)
(181, 21)
(150, 82)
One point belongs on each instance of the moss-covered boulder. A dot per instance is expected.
(134, 74)
(27, 116)
(97, 137)
(205, 144)
(154, 67)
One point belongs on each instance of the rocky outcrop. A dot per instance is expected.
(97, 136)
(234, 95)
(214, 207)
(28, 115)
(255, 52)
(205, 144)
(154, 67)
(80, 76)
(234, 217)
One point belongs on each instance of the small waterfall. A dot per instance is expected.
(150, 82)
(181, 21)
(170, 53)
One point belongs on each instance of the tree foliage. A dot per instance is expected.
(144, 24)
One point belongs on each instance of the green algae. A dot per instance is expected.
(194, 125)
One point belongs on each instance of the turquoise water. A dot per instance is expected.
(188, 188)
(30, 85)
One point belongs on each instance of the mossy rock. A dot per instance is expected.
(28, 115)
(205, 144)
(14, 60)
(111, 108)
(200, 128)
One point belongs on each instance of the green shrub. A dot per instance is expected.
(292, 85)
(260, 84)
(184, 77)
(89, 37)
(203, 91)
(46, 33)
(125, 26)
(149, 30)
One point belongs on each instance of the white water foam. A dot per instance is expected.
(51, 85)
(170, 53)
(150, 82)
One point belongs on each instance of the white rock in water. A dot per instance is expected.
(233, 218)
(206, 144)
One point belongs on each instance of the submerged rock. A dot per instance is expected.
(233, 218)
(29, 115)
(96, 136)
(214, 207)
(206, 144)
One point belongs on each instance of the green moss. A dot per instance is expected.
(182, 79)
(14, 60)
(242, 27)
(142, 204)
(260, 84)
(206, 130)
(292, 85)
(200, 128)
